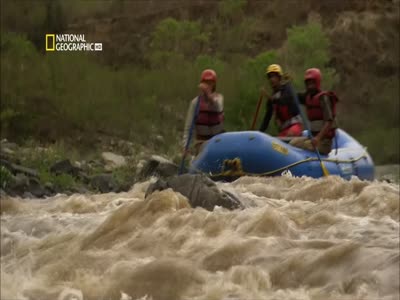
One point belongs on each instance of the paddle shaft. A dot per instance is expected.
(253, 125)
(195, 113)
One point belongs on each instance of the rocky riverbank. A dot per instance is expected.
(33, 171)
(41, 172)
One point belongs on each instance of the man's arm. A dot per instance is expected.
(328, 116)
(267, 117)
(212, 98)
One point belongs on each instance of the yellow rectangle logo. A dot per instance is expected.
(50, 42)
(280, 148)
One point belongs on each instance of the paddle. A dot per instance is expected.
(285, 139)
(253, 125)
(196, 112)
(324, 169)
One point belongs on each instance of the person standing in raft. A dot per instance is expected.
(209, 120)
(321, 112)
(282, 105)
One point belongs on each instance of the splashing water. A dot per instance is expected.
(297, 238)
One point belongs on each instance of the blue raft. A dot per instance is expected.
(230, 155)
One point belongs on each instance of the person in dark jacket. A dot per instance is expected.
(282, 105)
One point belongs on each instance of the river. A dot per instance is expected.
(297, 238)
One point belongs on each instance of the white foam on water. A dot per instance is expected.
(297, 238)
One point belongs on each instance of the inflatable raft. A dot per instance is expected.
(228, 156)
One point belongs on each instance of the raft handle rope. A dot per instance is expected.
(238, 169)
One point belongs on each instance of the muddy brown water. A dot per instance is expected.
(297, 238)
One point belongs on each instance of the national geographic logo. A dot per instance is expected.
(70, 42)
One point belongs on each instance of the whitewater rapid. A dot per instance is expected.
(297, 238)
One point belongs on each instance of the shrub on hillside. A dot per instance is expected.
(306, 47)
(174, 41)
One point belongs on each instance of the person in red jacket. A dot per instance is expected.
(321, 112)
(282, 105)
(209, 120)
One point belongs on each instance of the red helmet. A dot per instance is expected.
(314, 74)
(209, 74)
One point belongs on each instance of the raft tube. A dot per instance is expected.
(230, 155)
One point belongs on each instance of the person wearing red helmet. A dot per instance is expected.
(282, 105)
(209, 120)
(321, 112)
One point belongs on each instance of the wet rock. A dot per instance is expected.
(123, 187)
(9, 155)
(80, 190)
(199, 189)
(40, 192)
(84, 178)
(15, 169)
(49, 187)
(158, 166)
(19, 182)
(7, 164)
(125, 147)
(22, 184)
(7, 151)
(113, 160)
(159, 139)
(64, 167)
(26, 171)
(104, 183)
(27, 195)
(95, 164)
(6, 144)
(36, 189)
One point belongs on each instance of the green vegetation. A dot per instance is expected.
(41, 159)
(49, 96)
(5, 177)
(308, 46)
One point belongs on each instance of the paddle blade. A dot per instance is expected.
(324, 169)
